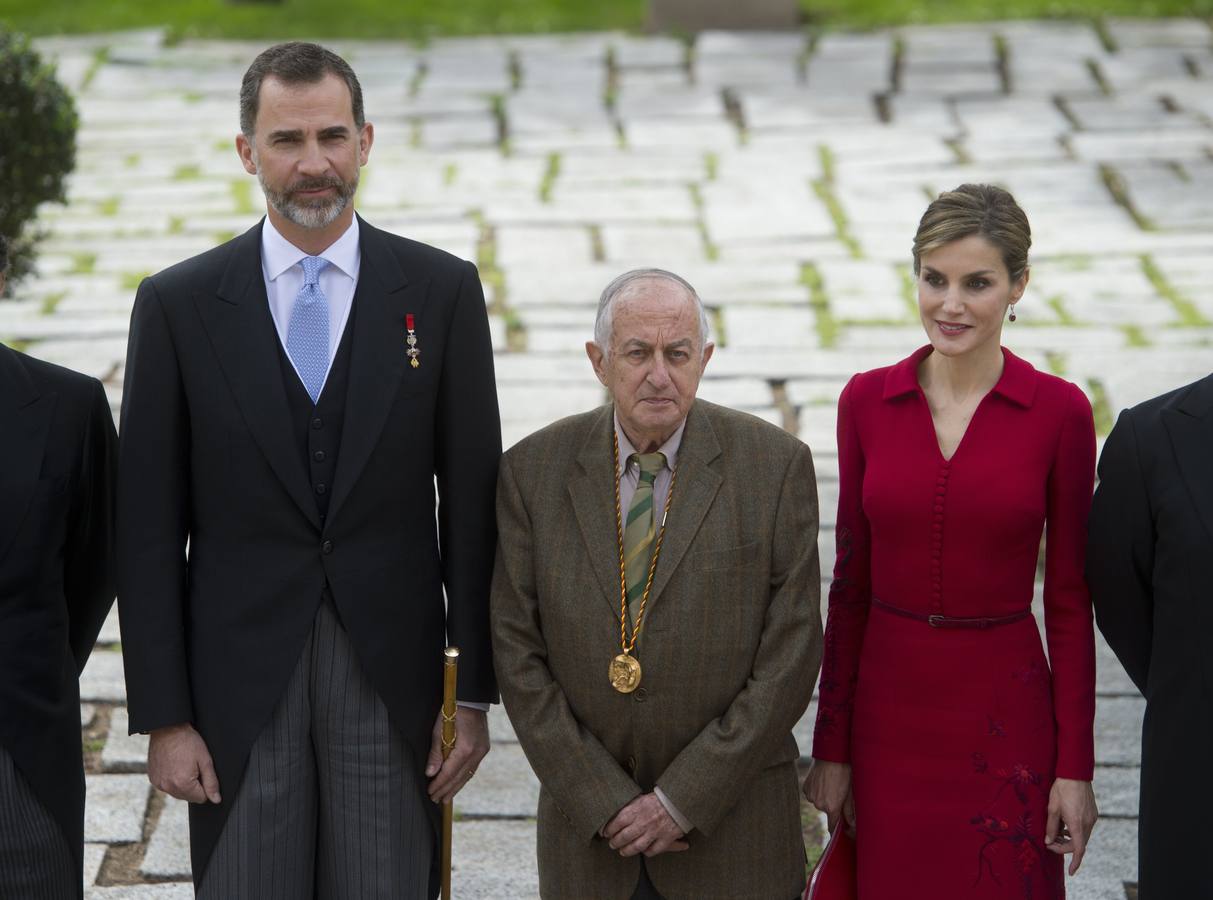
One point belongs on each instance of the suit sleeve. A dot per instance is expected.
(1120, 553)
(583, 778)
(706, 779)
(153, 517)
(468, 451)
(1067, 602)
(850, 595)
(89, 557)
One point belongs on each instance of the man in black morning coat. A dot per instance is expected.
(288, 663)
(1150, 568)
(58, 454)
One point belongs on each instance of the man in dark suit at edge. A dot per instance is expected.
(290, 398)
(58, 458)
(1150, 569)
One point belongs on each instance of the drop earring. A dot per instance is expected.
(1011, 313)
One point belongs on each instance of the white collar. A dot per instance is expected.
(278, 254)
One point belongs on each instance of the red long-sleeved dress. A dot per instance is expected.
(955, 734)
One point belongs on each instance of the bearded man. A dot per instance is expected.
(291, 397)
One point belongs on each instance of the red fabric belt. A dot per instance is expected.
(939, 621)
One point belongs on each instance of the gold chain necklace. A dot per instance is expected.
(624, 671)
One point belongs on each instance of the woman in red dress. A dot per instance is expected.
(960, 757)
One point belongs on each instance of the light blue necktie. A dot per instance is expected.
(307, 336)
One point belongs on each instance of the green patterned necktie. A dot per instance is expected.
(640, 530)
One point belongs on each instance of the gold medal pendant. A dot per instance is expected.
(624, 673)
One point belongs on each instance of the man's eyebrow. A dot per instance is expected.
(294, 134)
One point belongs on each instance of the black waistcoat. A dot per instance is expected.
(317, 427)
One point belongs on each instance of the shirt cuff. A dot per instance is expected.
(468, 704)
(679, 819)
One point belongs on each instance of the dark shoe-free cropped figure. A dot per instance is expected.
(1150, 567)
(58, 458)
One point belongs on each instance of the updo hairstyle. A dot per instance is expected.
(980, 209)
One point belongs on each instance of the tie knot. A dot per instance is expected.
(312, 266)
(650, 464)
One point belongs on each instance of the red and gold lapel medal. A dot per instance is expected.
(411, 340)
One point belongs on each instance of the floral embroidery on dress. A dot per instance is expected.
(1017, 831)
(1016, 827)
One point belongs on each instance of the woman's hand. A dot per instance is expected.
(828, 787)
(1072, 815)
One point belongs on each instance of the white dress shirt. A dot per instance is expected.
(280, 265)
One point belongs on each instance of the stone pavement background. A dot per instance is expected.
(783, 174)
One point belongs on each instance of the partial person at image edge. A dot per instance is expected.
(1150, 567)
(58, 456)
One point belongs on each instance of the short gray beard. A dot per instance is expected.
(316, 214)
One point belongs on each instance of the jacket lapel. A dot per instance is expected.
(694, 490)
(593, 496)
(377, 359)
(25, 418)
(1190, 424)
(242, 334)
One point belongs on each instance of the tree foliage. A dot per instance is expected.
(37, 145)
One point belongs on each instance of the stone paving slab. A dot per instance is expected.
(504, 786)
(115, 809)
(168, 851)
(123, 752)
(103, 679)
(1111, 861)
(1118, 729)
(94, 856)
(175, 891)
(784, 176)
(1116, 790)
(493, 860)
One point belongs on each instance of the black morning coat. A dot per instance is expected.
(1150, 568)
(209, 455)
(58, 458)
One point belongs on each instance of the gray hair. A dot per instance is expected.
(605, 319)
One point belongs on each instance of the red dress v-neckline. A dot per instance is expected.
(934, 432)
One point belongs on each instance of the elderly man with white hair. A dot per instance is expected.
(656, 623)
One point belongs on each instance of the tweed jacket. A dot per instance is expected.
(730, 648)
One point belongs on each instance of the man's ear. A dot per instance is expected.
(244, 148)
(366, 137)
(597, 360)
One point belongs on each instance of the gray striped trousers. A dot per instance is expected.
(333, 805)
(35, 860)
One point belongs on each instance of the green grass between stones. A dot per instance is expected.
(877, 13)
(420, 20)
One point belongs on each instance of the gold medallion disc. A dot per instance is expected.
(625, 673)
